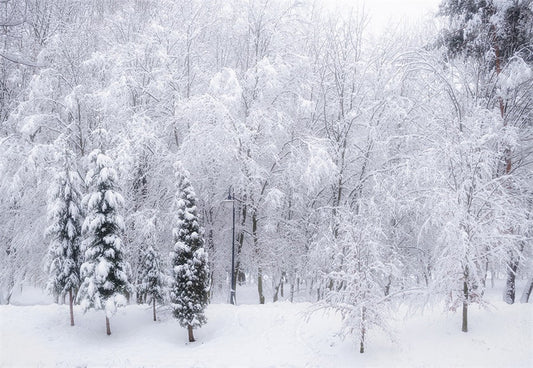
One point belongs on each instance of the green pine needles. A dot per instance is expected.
(189, 284)
(104, 272)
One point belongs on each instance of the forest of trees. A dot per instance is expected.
(366, 169)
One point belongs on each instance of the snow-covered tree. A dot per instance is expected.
(104, 271)
(65, 217)
(151, 277)
(477, 216)
(488, 29)
(498, 36)
(189, 274)
(355, 289)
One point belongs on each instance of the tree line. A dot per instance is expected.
(368, 170)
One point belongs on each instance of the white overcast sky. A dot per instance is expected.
(398, 11)
(410, 10)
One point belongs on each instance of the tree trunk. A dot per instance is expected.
(237, 272)
(153, 305)
(363, 331)
(510, 287)
(241, 277)
(256, 249)
(260, 286)
(212, 283)
(527, 291)
(277, 289)
(139, 298)
(292, 292)
(485, 275)
(191, 336)
(108, 328)
(387, 286)
(71, 307)
(465, 306)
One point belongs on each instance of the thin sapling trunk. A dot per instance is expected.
(465, 307)
(107, 326)
(363, 331)
(71, 307)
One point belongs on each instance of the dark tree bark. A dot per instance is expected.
(212, 283)
(363, 332)
(510, 285)
(191, 335)
(259, 270)
(277, 290)
(107, 326)
(465, 306)
(241, 277)
(292, 292)
(527, 291)
(153, 305)
(71, 301)
(260, 285)
(388, 285)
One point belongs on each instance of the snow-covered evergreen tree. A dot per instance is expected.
(189, 280)
(104, 272)
(64, 231)
(501, 28)
(152, 279)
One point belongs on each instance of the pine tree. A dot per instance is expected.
(152, 280)
(487, 28)
(65, 217)
(189, 285)
(104, 271)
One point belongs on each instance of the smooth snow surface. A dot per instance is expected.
(271, 335)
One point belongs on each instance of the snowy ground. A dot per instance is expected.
(271, 335)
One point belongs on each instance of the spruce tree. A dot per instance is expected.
(104, 271)
(152, 280)
(492, 31)
(64, 231)
(189, 284)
